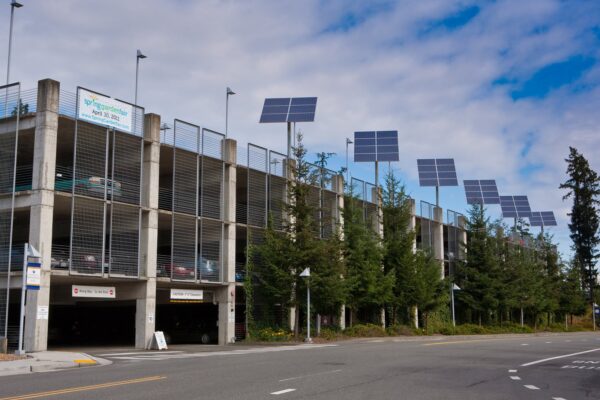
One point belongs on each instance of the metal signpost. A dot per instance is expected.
(452, 289)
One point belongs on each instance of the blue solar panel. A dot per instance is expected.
(536, 219)
(376, 146)
(481, 191)
(297, 109)
(515, 207)
(437, 172)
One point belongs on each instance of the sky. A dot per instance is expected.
(503, 87)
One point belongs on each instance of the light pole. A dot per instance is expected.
(137, 72)
(228, 93)
(348, 142)
(13, 4)
(306, 274)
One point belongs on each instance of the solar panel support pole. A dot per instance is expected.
(377, 183)
(437, 196)
(289, 141)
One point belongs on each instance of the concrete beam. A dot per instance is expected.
(145, 315)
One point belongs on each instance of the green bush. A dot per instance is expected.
(366, 330)
(331, 333)
(271, 335)
(402, 330)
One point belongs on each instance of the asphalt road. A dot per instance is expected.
(559, 366)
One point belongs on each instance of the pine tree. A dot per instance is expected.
(583, 187)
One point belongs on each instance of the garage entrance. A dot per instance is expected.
(187, 322)
(92, 323)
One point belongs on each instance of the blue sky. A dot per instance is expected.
(502, 86)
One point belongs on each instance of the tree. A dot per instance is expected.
(285, 254)
(22, 109)
(583, 186)
(479, 275)
(369, 287)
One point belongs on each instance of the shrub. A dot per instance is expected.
(271, 335)
(401, 330)
(366, 330)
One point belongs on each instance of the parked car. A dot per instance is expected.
(177, 271)
(96, 184)
(208, 268)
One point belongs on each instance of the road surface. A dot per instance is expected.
(552, 366)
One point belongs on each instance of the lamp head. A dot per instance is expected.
(229, 91)
(15, 4)
(348, 141)
(140, 55)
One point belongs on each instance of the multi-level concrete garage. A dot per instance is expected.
(142, 226)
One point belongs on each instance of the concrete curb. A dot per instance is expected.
(50, 361)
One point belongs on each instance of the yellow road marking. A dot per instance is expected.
(84, 361)
(83, 388)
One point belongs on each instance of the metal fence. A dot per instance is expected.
(12, 107)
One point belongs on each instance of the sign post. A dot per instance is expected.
(453, 288)
(32, 279)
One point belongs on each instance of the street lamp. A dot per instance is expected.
(348, 142)
(228, 93)
(137, 72)
(454, 287)
(306, 274)
(13, 4)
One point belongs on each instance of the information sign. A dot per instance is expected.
(187, 294)
(159, 338)
(102, 110)
(42, 312)
(106, 292)
(34, 276)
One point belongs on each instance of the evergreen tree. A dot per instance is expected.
(479, 275)
(583, 187)
(369, 287)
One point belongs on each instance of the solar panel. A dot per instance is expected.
(376, 146)
(437, 172)
(542, 218)
(515, 207)
(481, 191)
(286, 109)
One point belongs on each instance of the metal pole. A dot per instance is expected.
(452, 297)
(308, 339)
(10, 32)
(437, 196)
(137, 70)
(226, 110)
(377, 183)
(20, 351)
(289, 146)
(347, 172)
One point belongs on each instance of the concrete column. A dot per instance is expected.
(438, 236)
(42, 209)
(462, 238)
(229, 201)
(338, 187)
(226, 299)
(145, 313)
(145, 317)
(412, 222)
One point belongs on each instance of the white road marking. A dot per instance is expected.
(532, 387)
(376, 341)
(524, 344)
(163, 356)
(548, 342)
(283, 391)
(306, 376)
(558, 357)
(558, 398)
(515, 378)
(139, 353)
(512, 371)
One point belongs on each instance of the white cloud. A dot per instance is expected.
(384, 73)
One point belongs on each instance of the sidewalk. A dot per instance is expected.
(49, 361)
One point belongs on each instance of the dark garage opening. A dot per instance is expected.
(92, 323)
(184, 323)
